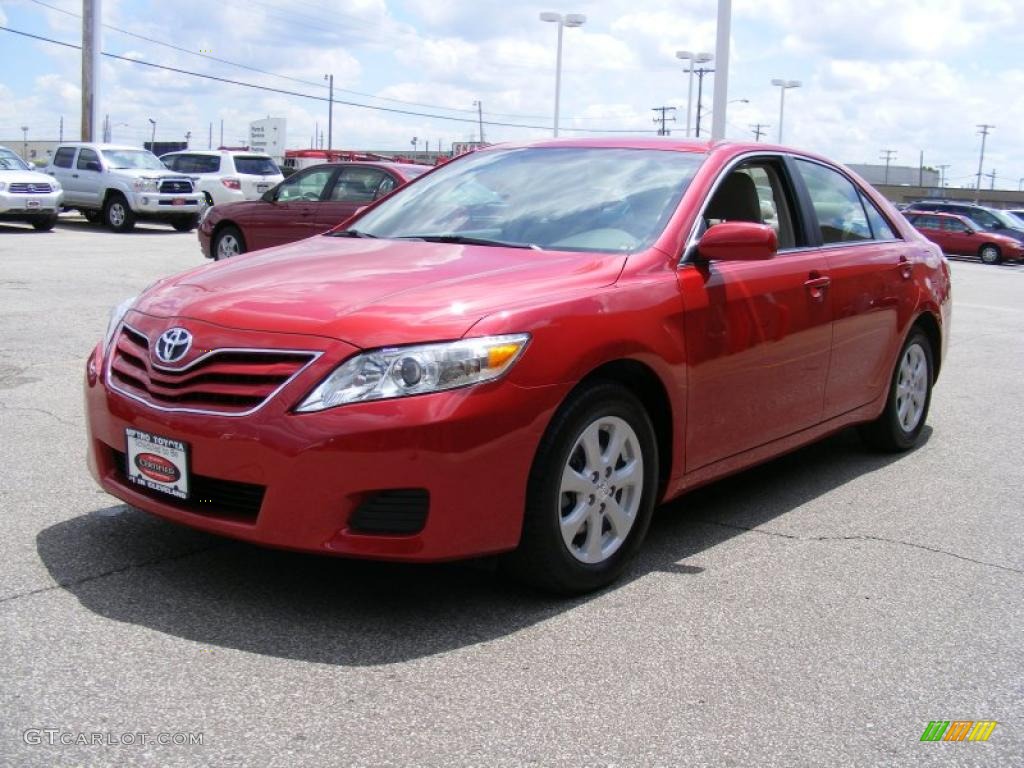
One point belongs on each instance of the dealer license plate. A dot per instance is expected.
(262, 187)
(158, 463)
(33, 204)
(178, 201)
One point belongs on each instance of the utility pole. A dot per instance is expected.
(700, 91)
(722, 78)
(992, 176)
(920, 170)
(663, 117)
(330, 110)
(188, 137)
(942, 174)
(60, 140)
(480, 118)
(983, 130)
(222, 131)
(759, 130)
(91, 26)
(106, 128)
(24, 143)
(887, 155)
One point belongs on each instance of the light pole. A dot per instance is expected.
(480, 117)
(983, 130)
(152, 138)
(24, 143)
(700, 95)
(783, 85)
(330, 110)
(568, 20)
(414, 142)
(942, 175)
(694, 59)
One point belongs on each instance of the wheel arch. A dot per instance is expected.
(647, 386)
(930, 326)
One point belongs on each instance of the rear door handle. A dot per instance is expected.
(906, 269)
(74, 175)
(816, 285)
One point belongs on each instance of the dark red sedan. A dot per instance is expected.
(522, 354)
(306, 203)
(960, 235)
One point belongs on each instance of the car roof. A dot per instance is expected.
(99, 145)
(216, 152)
(369, 164)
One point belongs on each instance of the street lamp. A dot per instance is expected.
(568, 20)
(693, 58)
(152, 139)
(24, 143)
(783, 85)
(330, 110)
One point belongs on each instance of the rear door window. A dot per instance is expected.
(64, 157)
(357, 185)
(86, 156)
(837, 203)
(880, 227)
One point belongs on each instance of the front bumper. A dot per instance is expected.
(157, 204)
(470, 449)
(16, 205)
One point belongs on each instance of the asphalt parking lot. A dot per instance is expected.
(819, 610)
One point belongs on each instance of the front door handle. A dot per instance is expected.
(816, 285)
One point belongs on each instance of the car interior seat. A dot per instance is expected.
(735, 200)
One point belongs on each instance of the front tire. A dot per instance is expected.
(118, 215)
(45, 223)
(228, 242)
(989, 254)
(910, 395)
(186, 223)
(590, 494)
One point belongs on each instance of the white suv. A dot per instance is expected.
(26, 195)
(226, 176)
(118, 184)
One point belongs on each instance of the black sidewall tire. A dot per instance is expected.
(994, 260)
(542, 558)
(229, 230)
(885, 433)
(186, 224)
(129, 218)
(45, 223)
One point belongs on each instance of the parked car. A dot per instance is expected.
(1017, 213)
(27, 195)
(522, 353)
(988, 219)
(226, 176)
(307, 203)
(119, 185)
(963, 236)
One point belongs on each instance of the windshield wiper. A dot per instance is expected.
(350, 233)
(467, 240)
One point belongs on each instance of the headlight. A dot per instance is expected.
(3, 186)
(146, 185)
(55, 185)
(400, 371)
(116, 316)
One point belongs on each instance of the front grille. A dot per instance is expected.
(401, 511)
(207, 496)
(175, 187)
(30, 188)
(228, 381)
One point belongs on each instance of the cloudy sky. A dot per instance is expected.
(908, 76)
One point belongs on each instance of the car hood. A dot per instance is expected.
(149, 173)
(25, 177)
(373, 293)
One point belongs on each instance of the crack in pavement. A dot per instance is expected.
(5, 407)
(864, 537)
(111, 572)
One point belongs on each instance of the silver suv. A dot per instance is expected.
(119, 185)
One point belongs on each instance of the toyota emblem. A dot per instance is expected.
(173, 345)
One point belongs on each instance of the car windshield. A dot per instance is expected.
(11, 162)
(133, 158)
(256, 166)
(560, 198)
(1006, 219)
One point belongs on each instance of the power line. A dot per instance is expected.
(663, 117)
(285, 92)
(887, 155)
(758, 130)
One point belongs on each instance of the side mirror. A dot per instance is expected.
(93, 165)
(968, 231)
(270, 196)
(738, 241)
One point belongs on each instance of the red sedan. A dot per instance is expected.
(307, 203)
(523, 353)
(959, 235)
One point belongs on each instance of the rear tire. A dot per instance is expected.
(118, 215)
(45, 223)
(989, 254)
(910, 395)
(590, 494)
(228, 242)
(186, 223)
